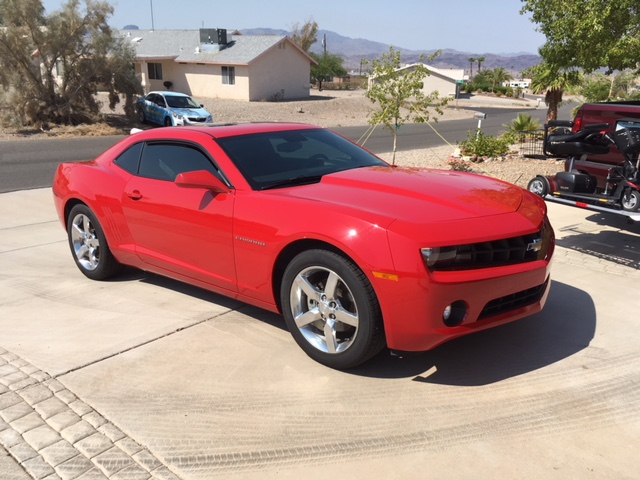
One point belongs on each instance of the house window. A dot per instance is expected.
(229, 75)
(155, 71)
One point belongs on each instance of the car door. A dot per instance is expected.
(187, 231)
(161, 109)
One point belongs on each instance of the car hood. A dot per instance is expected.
(191, 112)
(412, 194)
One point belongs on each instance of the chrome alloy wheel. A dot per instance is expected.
(324, 309)
(86, 244)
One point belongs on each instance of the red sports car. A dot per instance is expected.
(356, 254)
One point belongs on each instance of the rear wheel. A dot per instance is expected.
(331, 309)
(539, 186)
(631, 200)
(89, 245)
(141, 116)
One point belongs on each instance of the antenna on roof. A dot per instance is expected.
(152, 26)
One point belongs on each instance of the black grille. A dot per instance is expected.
(496, 253)
(513, 301)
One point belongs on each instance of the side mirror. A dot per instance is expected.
(201, 179)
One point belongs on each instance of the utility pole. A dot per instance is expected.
(152, 25)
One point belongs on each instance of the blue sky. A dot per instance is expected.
(474, 26)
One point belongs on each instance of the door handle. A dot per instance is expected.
(135, 195)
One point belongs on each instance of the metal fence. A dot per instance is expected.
(532, 144)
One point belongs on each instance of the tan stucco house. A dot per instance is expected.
(216, 64)
(444, 81)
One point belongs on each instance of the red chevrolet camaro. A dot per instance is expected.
(356, 254)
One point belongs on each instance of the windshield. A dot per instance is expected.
(174, 101)
(282, 159)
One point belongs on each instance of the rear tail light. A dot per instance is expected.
(577, 124)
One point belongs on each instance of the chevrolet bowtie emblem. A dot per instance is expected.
(535, 246)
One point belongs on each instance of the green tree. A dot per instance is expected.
(480, 62)
(329, 65)
(596, 88)
(500, 75)
(551, 81)
(306, 35)
(53, 64)
(588, 34)
(400, 95)
(472, 60)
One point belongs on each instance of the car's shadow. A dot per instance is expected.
(565, 326)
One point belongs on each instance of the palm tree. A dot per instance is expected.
(471, 62)
(549, 79)
(500, 75)
(480, 62)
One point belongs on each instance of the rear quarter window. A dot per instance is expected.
(129, 160)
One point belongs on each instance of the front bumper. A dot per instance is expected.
(413, 308)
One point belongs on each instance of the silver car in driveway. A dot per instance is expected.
(172, 109)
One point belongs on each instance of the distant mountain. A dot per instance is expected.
(355, 49)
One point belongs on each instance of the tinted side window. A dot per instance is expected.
(164, 161)
(130, 159)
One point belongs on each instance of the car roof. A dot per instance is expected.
(223, 130)
(169, 94)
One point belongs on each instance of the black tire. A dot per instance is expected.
(539, 185)
(167, 122)
(141, 116)
(630, 200)
(89, 246)
(323, 292)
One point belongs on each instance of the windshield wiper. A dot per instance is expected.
(299, 180)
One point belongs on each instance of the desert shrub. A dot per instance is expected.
(481, 145)
(340, 85)
(521, 126)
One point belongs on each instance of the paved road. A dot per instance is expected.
(143, 377)
(26, 164)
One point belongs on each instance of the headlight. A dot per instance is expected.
(177, 116)
(438, 256)
(209, 119)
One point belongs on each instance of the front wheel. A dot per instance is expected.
(539, 186)
(89, 245)
(331, 309)
(631, 200)
(167, 122)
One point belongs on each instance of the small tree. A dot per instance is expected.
(328, 66)
(472, 60)
(596, 88)
(400, 95)
(548, 79)
(53, 64)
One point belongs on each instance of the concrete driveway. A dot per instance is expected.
(143, 377)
